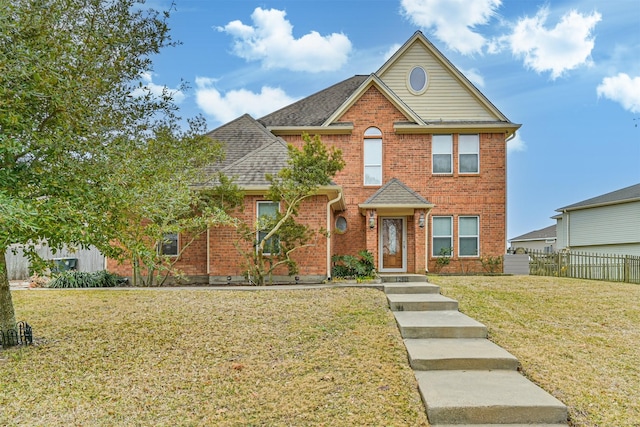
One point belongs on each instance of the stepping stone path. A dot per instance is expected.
(464, 379)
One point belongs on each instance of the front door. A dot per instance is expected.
(393, 245)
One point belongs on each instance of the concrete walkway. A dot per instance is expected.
(463, 378)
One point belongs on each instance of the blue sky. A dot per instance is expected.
(568, 71)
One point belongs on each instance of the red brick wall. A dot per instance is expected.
(408, 158)
(226, 260)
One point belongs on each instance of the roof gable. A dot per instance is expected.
(396, 194)
(374, 81)
(449, 95)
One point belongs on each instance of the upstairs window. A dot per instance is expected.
(442, 147)
(417, 80)
(266, 211)
(469, 153)
(373, 156)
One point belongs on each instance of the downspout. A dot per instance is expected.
(208, 253)
(329, 228)
(506, 192)
(426, 240)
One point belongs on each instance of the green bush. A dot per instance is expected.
(353, 267)
(79, 279)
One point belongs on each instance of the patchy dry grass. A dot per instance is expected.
(579, 340)
(197, 357)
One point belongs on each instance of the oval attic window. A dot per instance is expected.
(418, 80)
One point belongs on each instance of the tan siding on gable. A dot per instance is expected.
(446, 98)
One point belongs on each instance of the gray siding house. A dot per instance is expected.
(608, 224)
(538, 240)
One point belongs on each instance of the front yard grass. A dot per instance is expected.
(201, 358)
(578, 339)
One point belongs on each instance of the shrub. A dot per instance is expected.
(79, 279)
(353, 267)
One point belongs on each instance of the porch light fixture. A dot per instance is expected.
(421, 220)
(372, 220)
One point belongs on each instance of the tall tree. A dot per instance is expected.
(71, 102)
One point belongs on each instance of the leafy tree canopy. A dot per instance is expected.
(74, 115)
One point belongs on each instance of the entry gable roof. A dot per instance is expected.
(395, 194)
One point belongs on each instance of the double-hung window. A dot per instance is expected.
(442, 154)
(469, 153)
(442, 236)
(267, 211)
(373, 156)
(468, 236)
(169, 245)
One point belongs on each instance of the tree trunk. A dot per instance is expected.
(7, 314)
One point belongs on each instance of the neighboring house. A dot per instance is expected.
(425, 171)
(538, 240)
(608, 224)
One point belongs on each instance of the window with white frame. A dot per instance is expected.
(468, 236)
(266, 211)
(469, 153)
(442, 235)
(169, 245)
(442, 146)
(373, 156)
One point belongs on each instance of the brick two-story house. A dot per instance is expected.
(425, 171)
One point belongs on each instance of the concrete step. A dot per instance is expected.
(490, 397)
(458, 354)
(420, 302)
(411, 288)
(403, 278)
(438, 324)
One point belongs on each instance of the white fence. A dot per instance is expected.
(88, 260)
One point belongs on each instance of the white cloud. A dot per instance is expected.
(270, 40)
(228, 106)
(391, 51)
(453, 21)
(474, 76)
(516, 144)
(157, 90)
(623, 89)
(564, 47)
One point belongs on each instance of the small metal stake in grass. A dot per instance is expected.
(22, 334)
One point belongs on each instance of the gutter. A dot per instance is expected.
(329, 228)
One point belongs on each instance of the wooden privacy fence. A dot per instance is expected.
(88, 260)
(582, 265)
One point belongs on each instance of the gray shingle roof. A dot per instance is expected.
(544, 233)
(315, 109)
(251, 169)
(623, 195)
(251, 152)
(240, 137)
(396, 193)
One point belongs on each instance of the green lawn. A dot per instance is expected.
(578, 339)
(203, 358)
